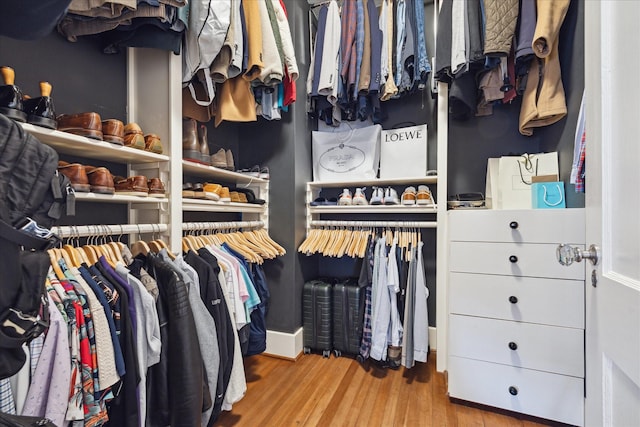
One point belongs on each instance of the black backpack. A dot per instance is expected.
(32, 196)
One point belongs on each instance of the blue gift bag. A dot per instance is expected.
(548, 195)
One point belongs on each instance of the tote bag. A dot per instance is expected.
(403, 152)
(352, 154)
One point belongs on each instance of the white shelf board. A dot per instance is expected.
(224, 175)
(432, 179)
(373, 209)
(68, 143)
(199, 205)
(116, 198)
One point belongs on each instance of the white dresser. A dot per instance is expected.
(516, 316)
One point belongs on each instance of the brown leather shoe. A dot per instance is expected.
(83, 124)
(132, 186)
(156, 188)
(152, 143)
(77, 174)
(113, 131)
(203, 145)
(100, 179)
(224, 195)
(133, 136)
(190, 147)
(234, 196)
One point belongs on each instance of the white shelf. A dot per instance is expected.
(219, 174)
(432, 179)
(199, 205)
(116, 198)
(400, 209)
(68, 143)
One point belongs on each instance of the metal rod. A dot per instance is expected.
(393, 224)
(107, 230)
(221, 225)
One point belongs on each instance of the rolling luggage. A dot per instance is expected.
(348, 317)
(316, 312)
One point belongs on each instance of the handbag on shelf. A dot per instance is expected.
(548, 195)
(346, 154)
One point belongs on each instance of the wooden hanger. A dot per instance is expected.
(54, 256)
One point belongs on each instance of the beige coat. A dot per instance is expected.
(543, 102)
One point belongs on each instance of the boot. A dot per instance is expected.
(190, 148)
(204, 144)
(11, 96)
(40, 110)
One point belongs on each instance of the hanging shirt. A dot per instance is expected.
(421, 317)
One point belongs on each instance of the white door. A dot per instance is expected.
(612, 61)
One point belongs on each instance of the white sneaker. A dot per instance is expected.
(359, 199)
(391, 197)
(345, 198)
(377, 197)
(409, 196)
(424, 196)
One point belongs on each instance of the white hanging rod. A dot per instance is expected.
(107, 230)
(196, 226)
(373, 224)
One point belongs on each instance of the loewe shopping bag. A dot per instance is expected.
(403, 152)
(348, 154)
(515, 177)
(491, 186)
(548, 195)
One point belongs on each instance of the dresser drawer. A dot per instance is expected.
(541, 394)
(511, 259)
(532, 226)
(527, 345)
(545, 301)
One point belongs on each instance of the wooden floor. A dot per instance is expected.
(314, 391)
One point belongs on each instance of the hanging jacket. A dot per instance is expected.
(502, 16)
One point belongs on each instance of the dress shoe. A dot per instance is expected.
(83, 124)
(230, 163)
(40, 110)
(203, 144)
(152, 143)
(11, 97)
(77, 174)
(219, 159)
(133, 186)
(190, 146)
(156, 188)
(113, 131)
(133, 136)
(225, 196)
(100, 180)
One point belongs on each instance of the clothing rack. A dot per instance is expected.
(229, 225)
(374, 224)
(107, 230)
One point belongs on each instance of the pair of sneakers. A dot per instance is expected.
(422, 197)
(358, 198)
(384, 196)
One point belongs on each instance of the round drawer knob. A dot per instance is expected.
(513, 346)
(513, 259)
(513, 225)
(513, 299)
(513, 391)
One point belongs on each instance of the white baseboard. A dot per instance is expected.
(289, 346)
(285, 345)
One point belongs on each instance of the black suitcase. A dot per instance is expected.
(348, 317)
(316, 312)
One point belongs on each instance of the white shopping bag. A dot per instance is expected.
(403, 152)
(515, 178)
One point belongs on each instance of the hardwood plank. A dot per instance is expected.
(469, 417)
(444, 412)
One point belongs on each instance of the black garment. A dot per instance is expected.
(143, 32)
(123, 409)
(181, 360)
(258, 335)
(206, 265)
(442, 66)
(30, 19)
(476, 35)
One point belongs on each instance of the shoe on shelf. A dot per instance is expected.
(133, 186)
(133, 136)
(377, 197)
(190, 146)
(11, 103)
(156, 188)
(359, 199)
(345, 198)
(219, 159)
(113, 131)
(84, 124)
(77, 174)
(187, 191)
(408, 197)
(100, 180)
(235, 198)
(225, 196)
(391, 196)
(152, 143)
(424, 196)
(198, 191)
(203, 144)
(40, 110)
(231, 165)
(212, 191)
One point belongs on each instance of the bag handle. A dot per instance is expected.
(403, 125)
(544, 196)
